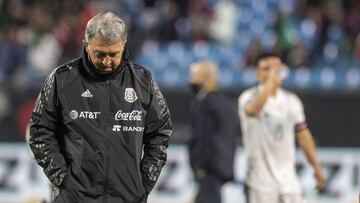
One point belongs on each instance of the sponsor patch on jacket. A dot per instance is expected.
(134, 115)
(87, 93)
(130, 95)
(83, 114)
(118, 128)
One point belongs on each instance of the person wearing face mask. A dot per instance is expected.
(100, 126)
(272, 118)
(213, 141)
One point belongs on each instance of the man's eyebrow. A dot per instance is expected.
(265, 67)
(104, 52)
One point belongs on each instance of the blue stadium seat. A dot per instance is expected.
(300, 77)
(225, 77)
(334, 34)
(352, 78)
(248, 77)
(268, 39)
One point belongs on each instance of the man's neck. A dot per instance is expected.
(209, 87)
(275, 92)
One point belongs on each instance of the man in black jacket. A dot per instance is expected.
(100, 126)
(214, 122)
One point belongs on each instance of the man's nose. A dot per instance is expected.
(106, 60)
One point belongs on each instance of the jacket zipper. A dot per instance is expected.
(107, 141)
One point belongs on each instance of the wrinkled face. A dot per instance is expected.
(104, 55)
(264, 67)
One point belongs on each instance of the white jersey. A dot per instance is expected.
(269, 142)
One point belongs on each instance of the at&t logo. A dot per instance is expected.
(83, 114)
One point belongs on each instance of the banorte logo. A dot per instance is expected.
(128, 116)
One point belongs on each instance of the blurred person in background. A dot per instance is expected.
(223, 26)
(271, 118)
(252, 52)
(100, 126)
(213, 141)
(200, 17)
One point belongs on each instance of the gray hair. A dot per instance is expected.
(108, 26)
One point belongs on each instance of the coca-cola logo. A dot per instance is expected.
(128, 116)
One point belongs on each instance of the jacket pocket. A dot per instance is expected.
(89, 171)
(72, 146)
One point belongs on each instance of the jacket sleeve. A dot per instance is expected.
(43, 141)
(157, 132)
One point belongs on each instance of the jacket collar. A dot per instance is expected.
(201, 94)
(93, 73)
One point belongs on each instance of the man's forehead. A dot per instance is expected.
(196, 71)
(99, 43)
(273, 60)
(195, 68)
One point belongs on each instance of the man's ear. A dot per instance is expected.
(85, 43)
(257, 74)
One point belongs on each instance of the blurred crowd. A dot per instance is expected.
(37, 35)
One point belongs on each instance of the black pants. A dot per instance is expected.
(209, 189)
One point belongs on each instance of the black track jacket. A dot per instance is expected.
(100, 138)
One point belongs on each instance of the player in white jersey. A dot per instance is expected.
(271, 119)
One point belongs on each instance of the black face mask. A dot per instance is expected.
(195, 88)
